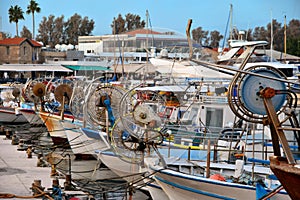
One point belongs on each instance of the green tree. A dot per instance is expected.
(215, 38)
(278, 35)
(32, 8)
(265, 34)
(15, 14)
(6, 35)
(46, 31)
(77, 26)
(133, 22)
(260, 33)
(72, 28)
(86, 27)
(199, 35)
(118, 25)
(249, 35)
(26, 33)
(43, 36)
(58, 31)
(54, 31)
(293, 37)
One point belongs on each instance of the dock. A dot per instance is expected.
(18, 172)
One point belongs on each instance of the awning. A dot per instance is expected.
(168, 88)
(135, 68)
(34, 67)
(87, 68)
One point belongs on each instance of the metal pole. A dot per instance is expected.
(208, 159)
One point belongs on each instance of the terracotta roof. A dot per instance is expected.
(18, 41)
(142, 31)
(35, 43)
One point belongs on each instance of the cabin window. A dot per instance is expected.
(289, 72)
(214, 119)
(193, 115)
(7, 50)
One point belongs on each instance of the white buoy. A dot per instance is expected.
(239, 168)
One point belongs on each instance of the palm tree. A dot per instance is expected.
(15, 14)
(32, 8)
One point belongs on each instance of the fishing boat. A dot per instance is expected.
(10, 116)
(179, 185)
(84, 142)
(264, 95)
(30, 114)
(9, 97)
(240, 49)
(55, 128)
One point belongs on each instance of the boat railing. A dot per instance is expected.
(195, 140)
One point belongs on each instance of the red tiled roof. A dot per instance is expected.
(35, 43)
(142, 31)
(18, 41)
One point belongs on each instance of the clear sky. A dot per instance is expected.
(173, 14)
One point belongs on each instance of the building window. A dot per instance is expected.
(24, 50)
(7, 50)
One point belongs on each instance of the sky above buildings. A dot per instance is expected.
(172, 14)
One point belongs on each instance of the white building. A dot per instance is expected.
(132, 46)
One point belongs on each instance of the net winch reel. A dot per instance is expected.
(96, 108)
(77, 99)
(34, 91)
(62, 94)
(137, 131)
(244, 93)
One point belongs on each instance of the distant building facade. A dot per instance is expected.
(50, 56)
(133, 45)
(19, 51)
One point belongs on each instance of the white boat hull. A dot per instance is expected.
(180, 186)
(129, 171)
(31, 116)
(8, 115)
(79, 142)
(55, 128)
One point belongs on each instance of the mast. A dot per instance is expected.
(147, 16)
(230, 30)
(271, 47)
(226, 29)
(284, 37)
(114, 32)
(188, 27)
